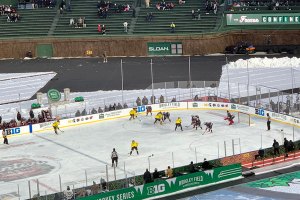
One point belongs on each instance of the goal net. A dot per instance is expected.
(244, 118)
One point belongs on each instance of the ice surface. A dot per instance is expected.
(87, 148)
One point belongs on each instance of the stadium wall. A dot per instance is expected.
(137, 46)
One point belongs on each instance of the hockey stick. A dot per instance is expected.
(60, 130)
(204, 132)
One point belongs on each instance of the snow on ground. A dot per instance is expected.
(22, 86)
(45, 156)
(269, 75)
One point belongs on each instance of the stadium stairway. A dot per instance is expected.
(181, 15)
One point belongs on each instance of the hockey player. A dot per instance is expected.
(158, 118)
(148, 110)
(209, 126)
(197, 122)
(134, 146)
(4, 135)
(133, 114)
(166, 115)
(114, 157)
(229, 117)
(55, 126)
(178, 123)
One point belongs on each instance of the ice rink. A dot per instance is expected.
(84, 151)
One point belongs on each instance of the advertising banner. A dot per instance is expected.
(17, 131)
(168, 186)
(164, 48)
(263, 19)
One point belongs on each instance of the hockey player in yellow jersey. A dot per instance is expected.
(178, 123)
(134, 146)
(133, 113)
(55, 126)
(158, 118)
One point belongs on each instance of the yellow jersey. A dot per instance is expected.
(134, 144)
(55, 124)
(178, 121)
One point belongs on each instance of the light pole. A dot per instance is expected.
(248, 85)
(122, 78)
(152, 86)
(149, 165)
(190, 78)
(228, 81)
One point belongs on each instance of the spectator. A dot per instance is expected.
(0, 119)
(19, 117)
(291, 146)
(169, 172)
(152, 99)
(77, 114)
(156, 175)
(68, 194)
(172, 26)
(161, 99)
(180, 2)
(215, 7)
(100, 110)
(286, 147)
(275, 148)
(119, 106)
(261, 154)
(31, 114)
(114, 157)
(104, 54)
(72, 22)
(173, 99)
(205, 165)
(103, 184)
(83, 113)
(133, 12)
(192, 168)
(147, 3)
(94, 111)
(125, 105)
(268, 122)
(81, 193)
(193, 14)
(103, 31)
(125, 24)
(199, 14)
(138, 101)
(145, 100)
(95, 188)
(147, 177)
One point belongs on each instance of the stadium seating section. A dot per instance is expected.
(49, 22)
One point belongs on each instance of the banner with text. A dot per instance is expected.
(164, 48)
(263, 19)
(169, 186)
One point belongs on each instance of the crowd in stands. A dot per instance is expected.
(44, 116)
(37, 3)
(244, 5)
(104, 7)
(165, 5)
(10, 12)
(78, 23)
(211, 6)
